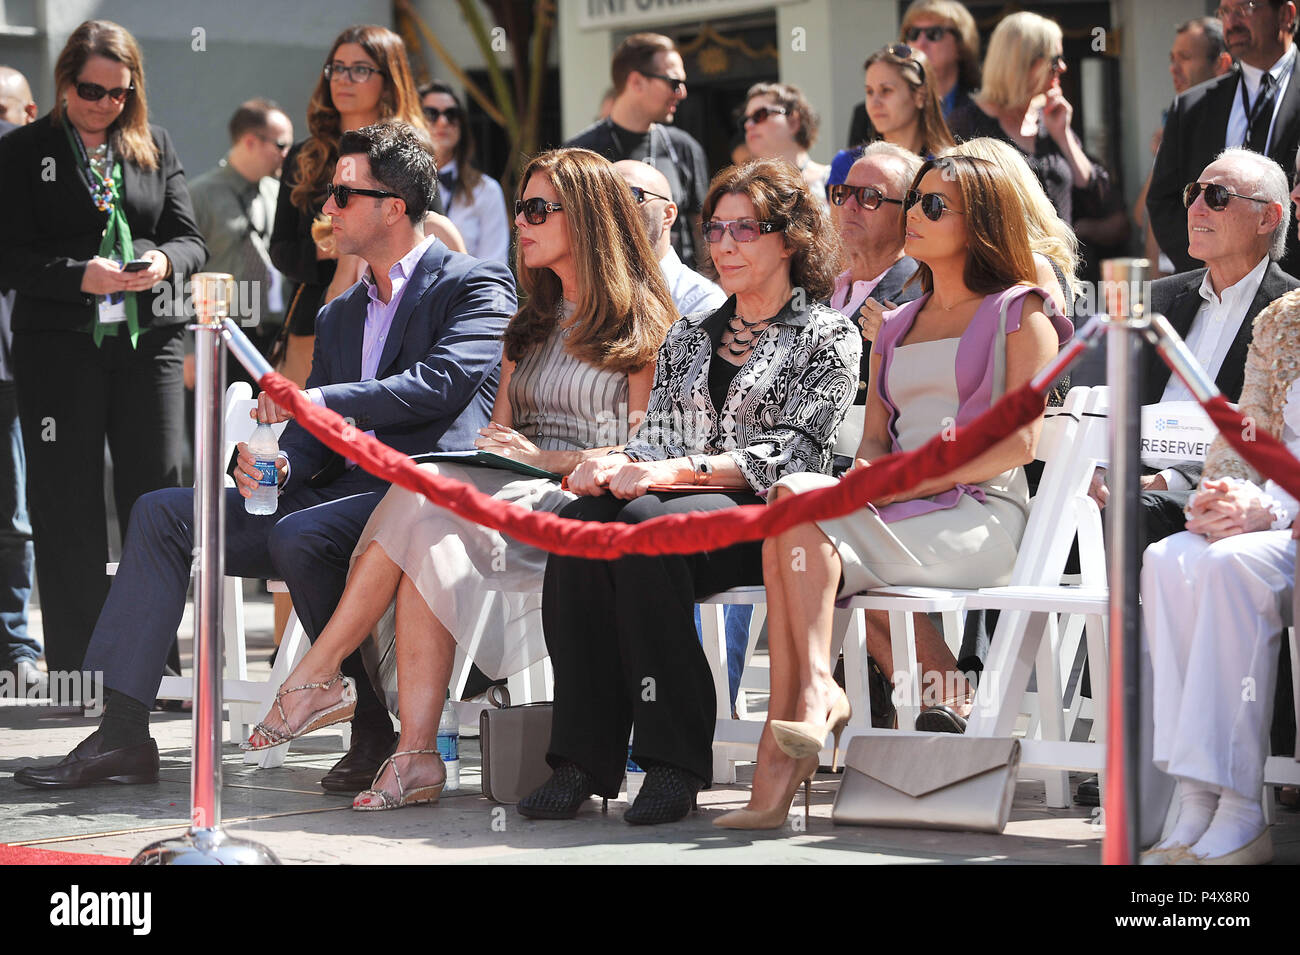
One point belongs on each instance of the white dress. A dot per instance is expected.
(477, 581)
(1212, 618)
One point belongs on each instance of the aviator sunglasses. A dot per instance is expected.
(868, 197)
(933, 204)
(536, 209)
(742, 230)
(1216, 196)
(93, 92)
(933, 34)
(341, 194)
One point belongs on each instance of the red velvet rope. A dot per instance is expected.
(1265, 453)
(673, 533)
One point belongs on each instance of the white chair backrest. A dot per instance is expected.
(1064, 444)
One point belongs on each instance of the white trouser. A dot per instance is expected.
(1212, 618)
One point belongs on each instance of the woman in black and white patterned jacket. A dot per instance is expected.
(742, 396)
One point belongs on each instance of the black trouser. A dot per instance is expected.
(623, 645)
(71, 396)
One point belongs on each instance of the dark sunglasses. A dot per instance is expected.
(536, 209)
(93, 92)
(742, 230)
(933, 204)
(358, 73)
(451, 114)
(868, 197)
(1216, 196)
(341, 194)
(933, 34)
(905, 52)
(278, 144)
(641, 195)
(672, 81)
(760, 115)
(1058, 64)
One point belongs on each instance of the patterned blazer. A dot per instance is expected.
(1272, 364)
(782, 409)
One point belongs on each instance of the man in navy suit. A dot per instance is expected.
(412, 354)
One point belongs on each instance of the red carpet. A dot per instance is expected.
(25, 855)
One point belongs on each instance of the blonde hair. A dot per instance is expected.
(1049, 234)
(968, 35)
(1018, 59)
(624, 307)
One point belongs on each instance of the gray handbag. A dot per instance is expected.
(514, 740)
(930, 782)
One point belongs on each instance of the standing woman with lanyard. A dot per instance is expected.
(96, 215)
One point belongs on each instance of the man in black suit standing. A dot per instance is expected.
(1256, 105)
(1238, 217)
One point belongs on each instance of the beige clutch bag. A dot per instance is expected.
(932, 782)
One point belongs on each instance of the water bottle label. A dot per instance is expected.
(270, 475)
(449, 747)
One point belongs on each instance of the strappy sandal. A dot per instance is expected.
(421, 794)
(339, 712)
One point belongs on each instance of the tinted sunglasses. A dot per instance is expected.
(905, 52)
(341, 194)
(536, 209)
(451, 114)
(93, 92)
(760, 115)
(641, 195)
(672, 81)
(282, 145)
(1216, 196)
(933, 204)
(742, 230)
(933, 34)
(868, 197)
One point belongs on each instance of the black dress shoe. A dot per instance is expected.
(940, 719)
(561, 796)
(667, 795)
(1088, 793)
(91, 763)
(357, 769)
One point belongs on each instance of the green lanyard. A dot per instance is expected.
(106, 193)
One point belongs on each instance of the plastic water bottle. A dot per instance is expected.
(265, 449)
(449, 745)
(635, 777)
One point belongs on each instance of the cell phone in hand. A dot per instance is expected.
(137, 265)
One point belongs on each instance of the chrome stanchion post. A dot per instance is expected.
(205, 843)
(1124, 282)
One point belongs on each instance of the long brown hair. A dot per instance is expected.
(778, 194)
(623, 308)
(911, 69)
(399, 100)
(129, 134)
(998, 251)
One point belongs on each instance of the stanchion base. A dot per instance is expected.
(205, 847)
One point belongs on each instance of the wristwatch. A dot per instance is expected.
(703, 469)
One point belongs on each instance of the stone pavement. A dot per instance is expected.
(287, 811)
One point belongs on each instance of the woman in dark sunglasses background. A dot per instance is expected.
(1021, 103)
(578, 362)
(743, 395)
(365, 78)
(980, 330)
(472, 201)
(85, 189)
(780, 123)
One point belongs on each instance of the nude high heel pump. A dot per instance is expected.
(775, 817)
(800, 740)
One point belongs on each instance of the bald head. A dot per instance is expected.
(16, 104)
(658, 214)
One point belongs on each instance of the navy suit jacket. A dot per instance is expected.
(439, 370)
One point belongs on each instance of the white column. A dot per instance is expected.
(584, 70)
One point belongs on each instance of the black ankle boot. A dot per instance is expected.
(667, 795)
(561, 796)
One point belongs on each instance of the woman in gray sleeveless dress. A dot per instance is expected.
(578, 363)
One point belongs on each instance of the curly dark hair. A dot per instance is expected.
(779, 194)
